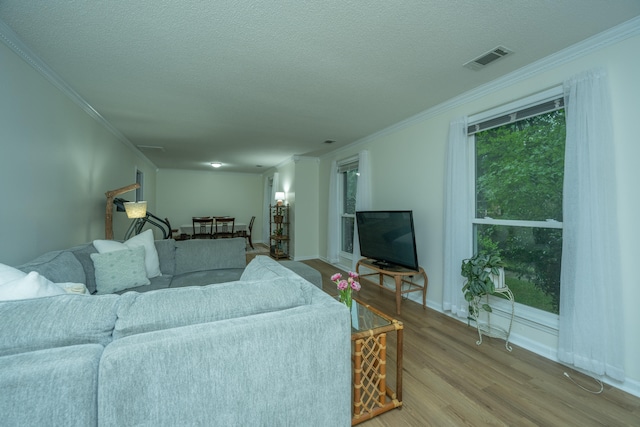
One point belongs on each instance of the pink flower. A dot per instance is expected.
(346, 286)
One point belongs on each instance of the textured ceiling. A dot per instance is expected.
(255, 82)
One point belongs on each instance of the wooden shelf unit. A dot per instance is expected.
(279, 232)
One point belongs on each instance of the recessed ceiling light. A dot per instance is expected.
(216, 164)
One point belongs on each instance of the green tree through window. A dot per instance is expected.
(518, 211)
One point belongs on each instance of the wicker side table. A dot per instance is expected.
(372, 394)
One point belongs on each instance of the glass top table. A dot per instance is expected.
(371, 393)
(365, 317)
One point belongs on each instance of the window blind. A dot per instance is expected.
(536, 110)
(348, 166)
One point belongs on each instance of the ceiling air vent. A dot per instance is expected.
(488, 57)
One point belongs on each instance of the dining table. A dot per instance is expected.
(188, 228)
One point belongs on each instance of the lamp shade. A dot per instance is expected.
(279, 197)
(136, 209)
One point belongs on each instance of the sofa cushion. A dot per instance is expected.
(160, 282)
(145, 240)
(57, 266)
(57, 321)
(167, 256)
(171, 308)
(208, 254)
(207, 277)
(120, 270)
(83, 255)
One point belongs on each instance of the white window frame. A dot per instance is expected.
(524, 314)
(343, 166)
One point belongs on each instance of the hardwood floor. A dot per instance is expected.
(450, 381)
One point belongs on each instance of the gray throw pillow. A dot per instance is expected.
(119, 270)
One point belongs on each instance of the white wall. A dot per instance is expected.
(408, 173)
(56, 163)
(288, 183)
(306, 225)
(298, 178)
(183, 194)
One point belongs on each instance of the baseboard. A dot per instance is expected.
(304, 258)
(629, 385)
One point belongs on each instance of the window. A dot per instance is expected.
(348, 178)
(519, 168)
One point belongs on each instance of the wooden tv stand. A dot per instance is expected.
(400, 275)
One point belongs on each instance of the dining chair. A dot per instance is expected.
(224, 228)
(247, 232)
(200, 224)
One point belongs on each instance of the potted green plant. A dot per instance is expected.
(481, 272)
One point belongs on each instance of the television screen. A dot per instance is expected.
(388, 238)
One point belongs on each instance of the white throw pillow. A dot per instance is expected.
(119, 270)
(144, 239)
(8, 274)
(32, 285)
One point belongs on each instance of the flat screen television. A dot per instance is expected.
(388, 238)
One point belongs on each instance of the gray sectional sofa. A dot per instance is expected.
(182, 263)
(261, 346)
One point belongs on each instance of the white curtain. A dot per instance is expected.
(363, 199)
(591, 334)
(457, 216)
(333, 217)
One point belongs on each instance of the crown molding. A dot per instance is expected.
(592, 44)
(297, 158)
(11, 39)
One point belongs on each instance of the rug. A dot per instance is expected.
(259, 249)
